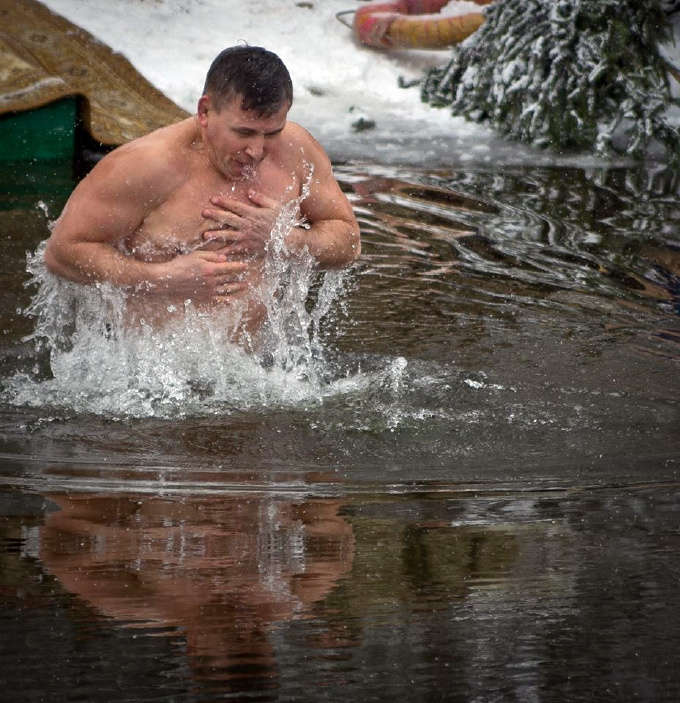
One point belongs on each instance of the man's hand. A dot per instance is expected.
(242, 228)
(202, 276)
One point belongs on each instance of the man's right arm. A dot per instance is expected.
(107, 207)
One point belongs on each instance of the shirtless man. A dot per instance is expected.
(186, 212)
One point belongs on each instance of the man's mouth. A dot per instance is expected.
(246, 169)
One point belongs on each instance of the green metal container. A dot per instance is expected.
(46, 133)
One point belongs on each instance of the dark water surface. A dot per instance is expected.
(477, 500)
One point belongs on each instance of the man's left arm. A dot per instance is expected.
(332, 237)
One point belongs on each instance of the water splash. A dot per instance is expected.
(95, 361)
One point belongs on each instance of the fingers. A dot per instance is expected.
(232, 205)
(227, 290)
(263, 200)
(218, 239)
(216, 256)
(230, 245)
(229, 282)
(222, 217)
(230, 269)
(243, 227)
(221, 264)
(228, 293)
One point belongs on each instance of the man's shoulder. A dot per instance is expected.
(300, 136)
(300, 142)
(157, 150)
(154, 162)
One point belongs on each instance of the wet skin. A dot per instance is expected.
(186, 212)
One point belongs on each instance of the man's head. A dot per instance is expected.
(256, 75)
(243, 109)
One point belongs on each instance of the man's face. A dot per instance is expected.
(238, 140)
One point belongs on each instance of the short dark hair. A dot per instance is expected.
(257, 75)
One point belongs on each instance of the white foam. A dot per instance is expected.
(97, 362)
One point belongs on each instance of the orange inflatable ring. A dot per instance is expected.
(389, 26)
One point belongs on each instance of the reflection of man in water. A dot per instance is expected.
(186, 212)
(219, 572)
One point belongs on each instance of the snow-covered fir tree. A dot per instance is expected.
(569, 74)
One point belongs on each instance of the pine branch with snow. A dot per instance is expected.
(569, 74)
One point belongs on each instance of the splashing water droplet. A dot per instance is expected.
(98, 362)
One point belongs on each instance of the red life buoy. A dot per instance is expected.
(389, 26)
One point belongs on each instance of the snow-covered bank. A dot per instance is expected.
(171, 43)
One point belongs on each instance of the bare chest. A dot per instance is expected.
(176, 225)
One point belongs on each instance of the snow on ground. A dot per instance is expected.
(336, 81)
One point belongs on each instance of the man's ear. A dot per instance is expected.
(202, 111)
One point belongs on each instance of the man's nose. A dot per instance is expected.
(255, 148)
